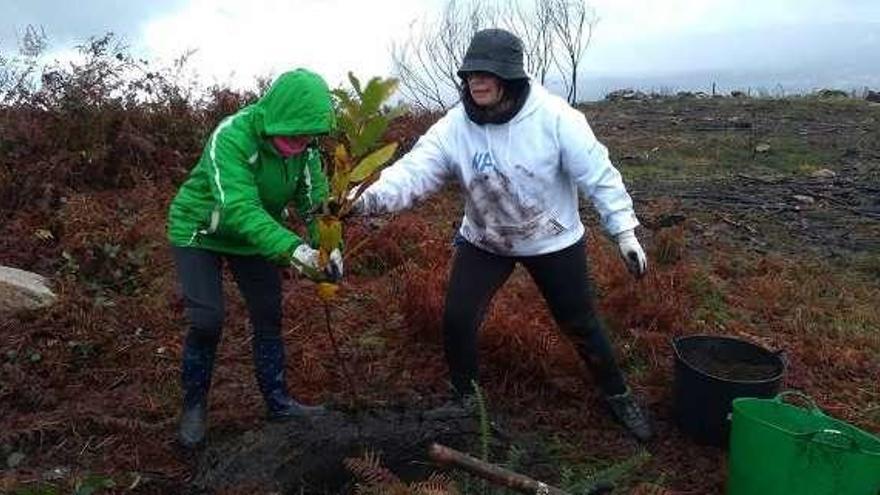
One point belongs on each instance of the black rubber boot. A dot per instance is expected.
(269, 364)
(628, 412)
(196, 370)
(466, 403)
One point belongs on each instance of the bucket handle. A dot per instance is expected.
(815, 436)
(802, 396)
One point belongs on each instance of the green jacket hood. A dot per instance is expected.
(297, 103)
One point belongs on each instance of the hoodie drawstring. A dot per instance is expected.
(509, 133)
(489, 144)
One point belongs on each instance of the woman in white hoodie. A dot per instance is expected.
(520, 155)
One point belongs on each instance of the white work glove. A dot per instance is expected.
(365, 205)
(307, 261)
(632, 253)
(334, 265)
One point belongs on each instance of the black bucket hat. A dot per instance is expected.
(496, 51)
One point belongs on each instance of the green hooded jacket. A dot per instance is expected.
(234, 200)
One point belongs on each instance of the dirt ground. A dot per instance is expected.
(780, 247)
(816, 189)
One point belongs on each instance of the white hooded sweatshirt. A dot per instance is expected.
(519, 179)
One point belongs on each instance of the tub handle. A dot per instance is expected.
(800, 395)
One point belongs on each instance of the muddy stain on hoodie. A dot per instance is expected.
(505, 211)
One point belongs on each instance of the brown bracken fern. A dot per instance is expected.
(375, 479)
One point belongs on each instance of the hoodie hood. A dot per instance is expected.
(516, 92)
(534, 95)
(297, 103)
(535, 99)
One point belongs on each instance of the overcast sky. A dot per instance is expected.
(238, 40)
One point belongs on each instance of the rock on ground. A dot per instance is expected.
(21, 290)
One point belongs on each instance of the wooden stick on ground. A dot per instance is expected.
(495, 474)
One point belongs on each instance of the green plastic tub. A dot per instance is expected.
(777, 448)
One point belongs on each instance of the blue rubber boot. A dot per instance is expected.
(269, 364)
(196, 370)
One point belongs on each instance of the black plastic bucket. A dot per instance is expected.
(711, 371)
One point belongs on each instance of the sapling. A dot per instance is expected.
(357, 159)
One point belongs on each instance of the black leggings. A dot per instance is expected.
(201, 277)
(565, 284)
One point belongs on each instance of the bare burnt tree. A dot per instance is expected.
(427, 61)
(535, 27)
(573, 22)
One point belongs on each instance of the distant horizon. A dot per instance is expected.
(596, 86)
(764, 59)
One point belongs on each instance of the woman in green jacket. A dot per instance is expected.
(232, 209)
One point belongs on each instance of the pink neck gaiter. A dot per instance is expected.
(288, 146)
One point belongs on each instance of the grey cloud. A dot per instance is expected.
(66, 21)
